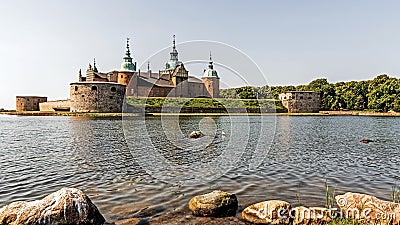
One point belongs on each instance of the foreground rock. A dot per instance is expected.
(368, 209)
(196, 134)
(216, 204)
(268, 212)
(66, 206)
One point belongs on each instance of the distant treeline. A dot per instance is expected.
(381, 94)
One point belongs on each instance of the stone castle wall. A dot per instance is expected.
(29, 103)
(301, 101)
(61, 105)
(96, 97)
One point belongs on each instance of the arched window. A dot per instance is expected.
(113, 89)
(94, 88)
(76, 88)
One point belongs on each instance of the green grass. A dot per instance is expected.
(203, 102)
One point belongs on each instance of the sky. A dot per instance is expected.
(43, 43)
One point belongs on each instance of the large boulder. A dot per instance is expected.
(217, 204)
(66, 206)
(300, 215)
(268, 212)
(314, 215)
(368, 208)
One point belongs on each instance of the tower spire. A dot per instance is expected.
(89, 67)
(128, 51)
(174, 52)
(210, 65)
(128, 64)
(94, 65)
(173, 42)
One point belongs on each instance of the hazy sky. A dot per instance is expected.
(43, 44)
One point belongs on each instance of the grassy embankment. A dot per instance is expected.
(219, 103)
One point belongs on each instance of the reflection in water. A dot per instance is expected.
(39, 155)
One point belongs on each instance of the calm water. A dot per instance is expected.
(39, 155)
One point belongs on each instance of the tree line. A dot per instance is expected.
(380, 94)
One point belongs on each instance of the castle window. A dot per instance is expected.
(301, 97)
(111, 97)
(310, 97)
(94, 88)
(76, 88)
(113, 89)
(83, 96)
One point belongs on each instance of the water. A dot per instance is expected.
(39, 155)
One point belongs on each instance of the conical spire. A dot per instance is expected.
(210, 72)
(174, 52)
(94, 65)
(128, 65)
(128, 51)
(210, 65)
(173, 41)
(89, 67)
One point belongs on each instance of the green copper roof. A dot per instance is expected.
(128, 65)
(210, 72)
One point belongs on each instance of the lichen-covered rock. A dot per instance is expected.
(268, 212)
(217, 204)
(195, 134)
(314, 215)
(300, 215)
(368, 209)
(66, 206)
(320, 215)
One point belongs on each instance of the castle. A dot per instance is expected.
(171, 81)
(105, 91)
(301, 101)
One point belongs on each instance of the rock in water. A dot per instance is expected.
(366, 141)
(196, 134)
(216, 204)
(368, 208)
(268, 212)
(66, 206)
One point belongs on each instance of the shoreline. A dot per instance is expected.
(96, 114)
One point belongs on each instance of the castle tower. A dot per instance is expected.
(128, 65)
(89, 73)
(128, 68)
(211, 80)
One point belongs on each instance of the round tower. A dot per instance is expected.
(211, 80)
(128, 68)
